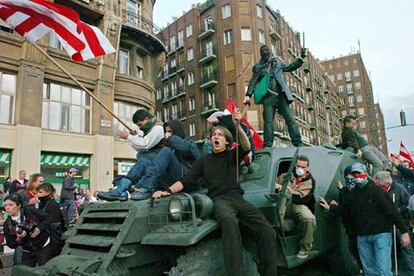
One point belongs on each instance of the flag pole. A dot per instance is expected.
(81, 86)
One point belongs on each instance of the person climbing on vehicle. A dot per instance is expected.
(147, 146)
(219, 171)
(300, 202)
(171, 163)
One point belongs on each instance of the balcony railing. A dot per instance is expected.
(274, 33)
(309, 87)
(208, 79)
(181, 91)
(207, 30)
(211, 108)
(141, 23)
(208, 54)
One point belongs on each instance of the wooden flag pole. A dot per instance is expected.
(82, 86)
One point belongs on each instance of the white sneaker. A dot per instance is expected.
(302, 254)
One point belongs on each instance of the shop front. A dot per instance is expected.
(54, 167)
(5, 162)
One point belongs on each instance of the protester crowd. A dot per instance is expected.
(34, 216)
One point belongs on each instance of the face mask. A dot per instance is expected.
(349, 183)
(360, 180)
(300, 172)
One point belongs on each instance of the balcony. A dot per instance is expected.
(181, 91)
(309, 87)
(208, 55)
(207, 110)
(207, 30)
(326, 91)
(328, 107)
(313, 127)
(348, 79)
(164, 75)
(91, 9)
(274, 34)
(180, 67)
(173, 71)
(143, 31)
(208, 80)
(310, 107)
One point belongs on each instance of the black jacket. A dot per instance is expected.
(16, 186)
(28, 215)
(68, 188)
(49, 207)
(352, 138)
(371, 210)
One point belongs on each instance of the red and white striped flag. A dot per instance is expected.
(405, 155)
(33, 19)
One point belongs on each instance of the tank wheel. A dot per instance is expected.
(206, 259)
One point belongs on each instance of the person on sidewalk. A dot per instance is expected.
(373, 215)
(67, 196)
(352, 138)
(300, 202)
(278, 96)
(399, 195)
(171, 163)
(147, 146)
(219, 171)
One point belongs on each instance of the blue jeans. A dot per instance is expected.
(164, 171)
(375, 252)
(69, 206)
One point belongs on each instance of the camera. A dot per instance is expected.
(24, 226)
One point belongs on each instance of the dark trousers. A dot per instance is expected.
(40, 257)
(231, 212)
(353, 248)
(279, 103)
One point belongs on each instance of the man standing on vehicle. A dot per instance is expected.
(219, 171)
(300, 202)
(278, 96)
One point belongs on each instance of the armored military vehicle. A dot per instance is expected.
(177, 235)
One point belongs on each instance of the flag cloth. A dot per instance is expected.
(33, 19)
(257, 140)
(405, 155)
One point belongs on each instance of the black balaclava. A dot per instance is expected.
(177, 128)
(264, 53)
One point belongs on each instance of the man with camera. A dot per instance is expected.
(27, 227)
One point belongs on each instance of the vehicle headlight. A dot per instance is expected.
(175, 209)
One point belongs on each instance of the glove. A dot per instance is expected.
(303, 53)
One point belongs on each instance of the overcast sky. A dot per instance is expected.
(384, 28)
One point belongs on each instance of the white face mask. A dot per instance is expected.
(300, 171)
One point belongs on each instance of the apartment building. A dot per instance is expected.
(48, 124)
(211, 51)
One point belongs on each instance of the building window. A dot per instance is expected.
(246, 34)
(174, 111)
(173, 63)
(165, 92)
(228, 37)
(349, 88)
(341, 89)
(339, 76)
(348, 76)
(189, 30)
(124, 111)
(356, 73)
(165, 114)
(123, 63)
(354, 60)
(361, 111)
(190, 54)
(190, 78)
(357, 85)
(133, 12)
(7, 96)
(360, 99)
(211, 99)
(66, 109)
(262, 38)
(332, 77)
(140, 72)
(226, 11)
(173, 88)
(346, 62)
(259, 11)
(229, 63)
(181, 38)
(159, 94)
(209, 48)
(208, 23)
(172, 43)
(362, 124)
(191, 104)
(351, 101)
(192, 129)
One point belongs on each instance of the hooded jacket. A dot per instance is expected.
(184, 148)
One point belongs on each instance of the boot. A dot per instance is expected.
(141, 194)
(119, 192)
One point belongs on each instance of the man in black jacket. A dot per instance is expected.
(219, 171)
(352, 138)
(406, 173)
(373, 215)
(278, 96)
(67, 195)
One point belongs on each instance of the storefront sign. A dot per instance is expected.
(124, 167)
(105, 123)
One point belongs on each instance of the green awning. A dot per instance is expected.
(4, 157)
(64, 160)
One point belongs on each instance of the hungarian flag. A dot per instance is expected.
(257, 140)
(405, 155)
(33, 19)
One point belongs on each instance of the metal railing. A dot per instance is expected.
(141, 23)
